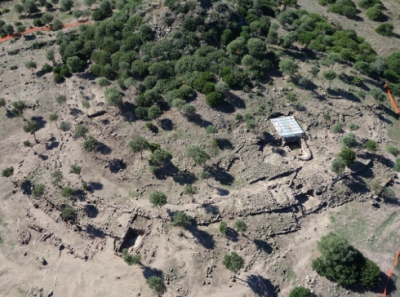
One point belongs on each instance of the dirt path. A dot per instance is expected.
(47, 28)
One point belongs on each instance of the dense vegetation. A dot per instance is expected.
(342, 263)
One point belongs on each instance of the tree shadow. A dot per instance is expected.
(75, 112)
(52, 145)
(91, 210)
(225, 144)
(263, 245)
(10, 115)
(231, 234)
(116, 165)
(261, 286)
(43, 157)
(204, 238)
(94, 232)
(87, 75)
(127, 111)
(390, 112)
(95, 186)
(150, 271)
(235, 101)
(26, 187)
(226, 107)
(220, 174)
(180, 177)
(104, 149)
(166, 124)
(222, 192)
(357, 185)
(199, 121)
(79, 194)
(343, 94)
(41, 122)
(209, 208)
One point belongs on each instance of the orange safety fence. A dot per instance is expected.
(392, 99)
(390, 272)
(47, 28)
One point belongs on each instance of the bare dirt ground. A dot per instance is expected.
(287, 200)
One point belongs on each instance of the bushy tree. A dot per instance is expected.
(18, 8)
(233, 262)
(156, 283)
(66, 5)
(348, 156)
(370, 275)
(374, 14)
(18, 108)
(198, 155)
(256, 46)
(138, 144)
(75, 64)
(160, 158)
(57, 25)
(154, 112)
(288, 66)
(301, 292)
(181, 219)
(214, 99)
(31, 128)
(385, 29)
(47, 18)
(158, 199)
(30, 6)
(342, 263)
(113, 97)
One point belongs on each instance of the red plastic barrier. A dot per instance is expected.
(389, 273)
(392, 99)
(48, 28)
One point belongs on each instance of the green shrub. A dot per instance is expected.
(68, 213)
(103, 82)
(181, 219)
(65, 126)
(327, 117)
(391, 149)
(223, 226)
(157, 284)
(349, 140)
(354, 126)
(233, 262)
(214, 99)
(338, 165)
(397, 165)
(371, 146)
(374, 14)
(211, 129)
(38, 190)
(378, 94)
(368, 3)
(338, 128)
(208, 88)
(131, 259)
(385, 29)
(342, 263)
(344, 7)
(240, 226)
(301, 292)
(189, 190)
(348, 156)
